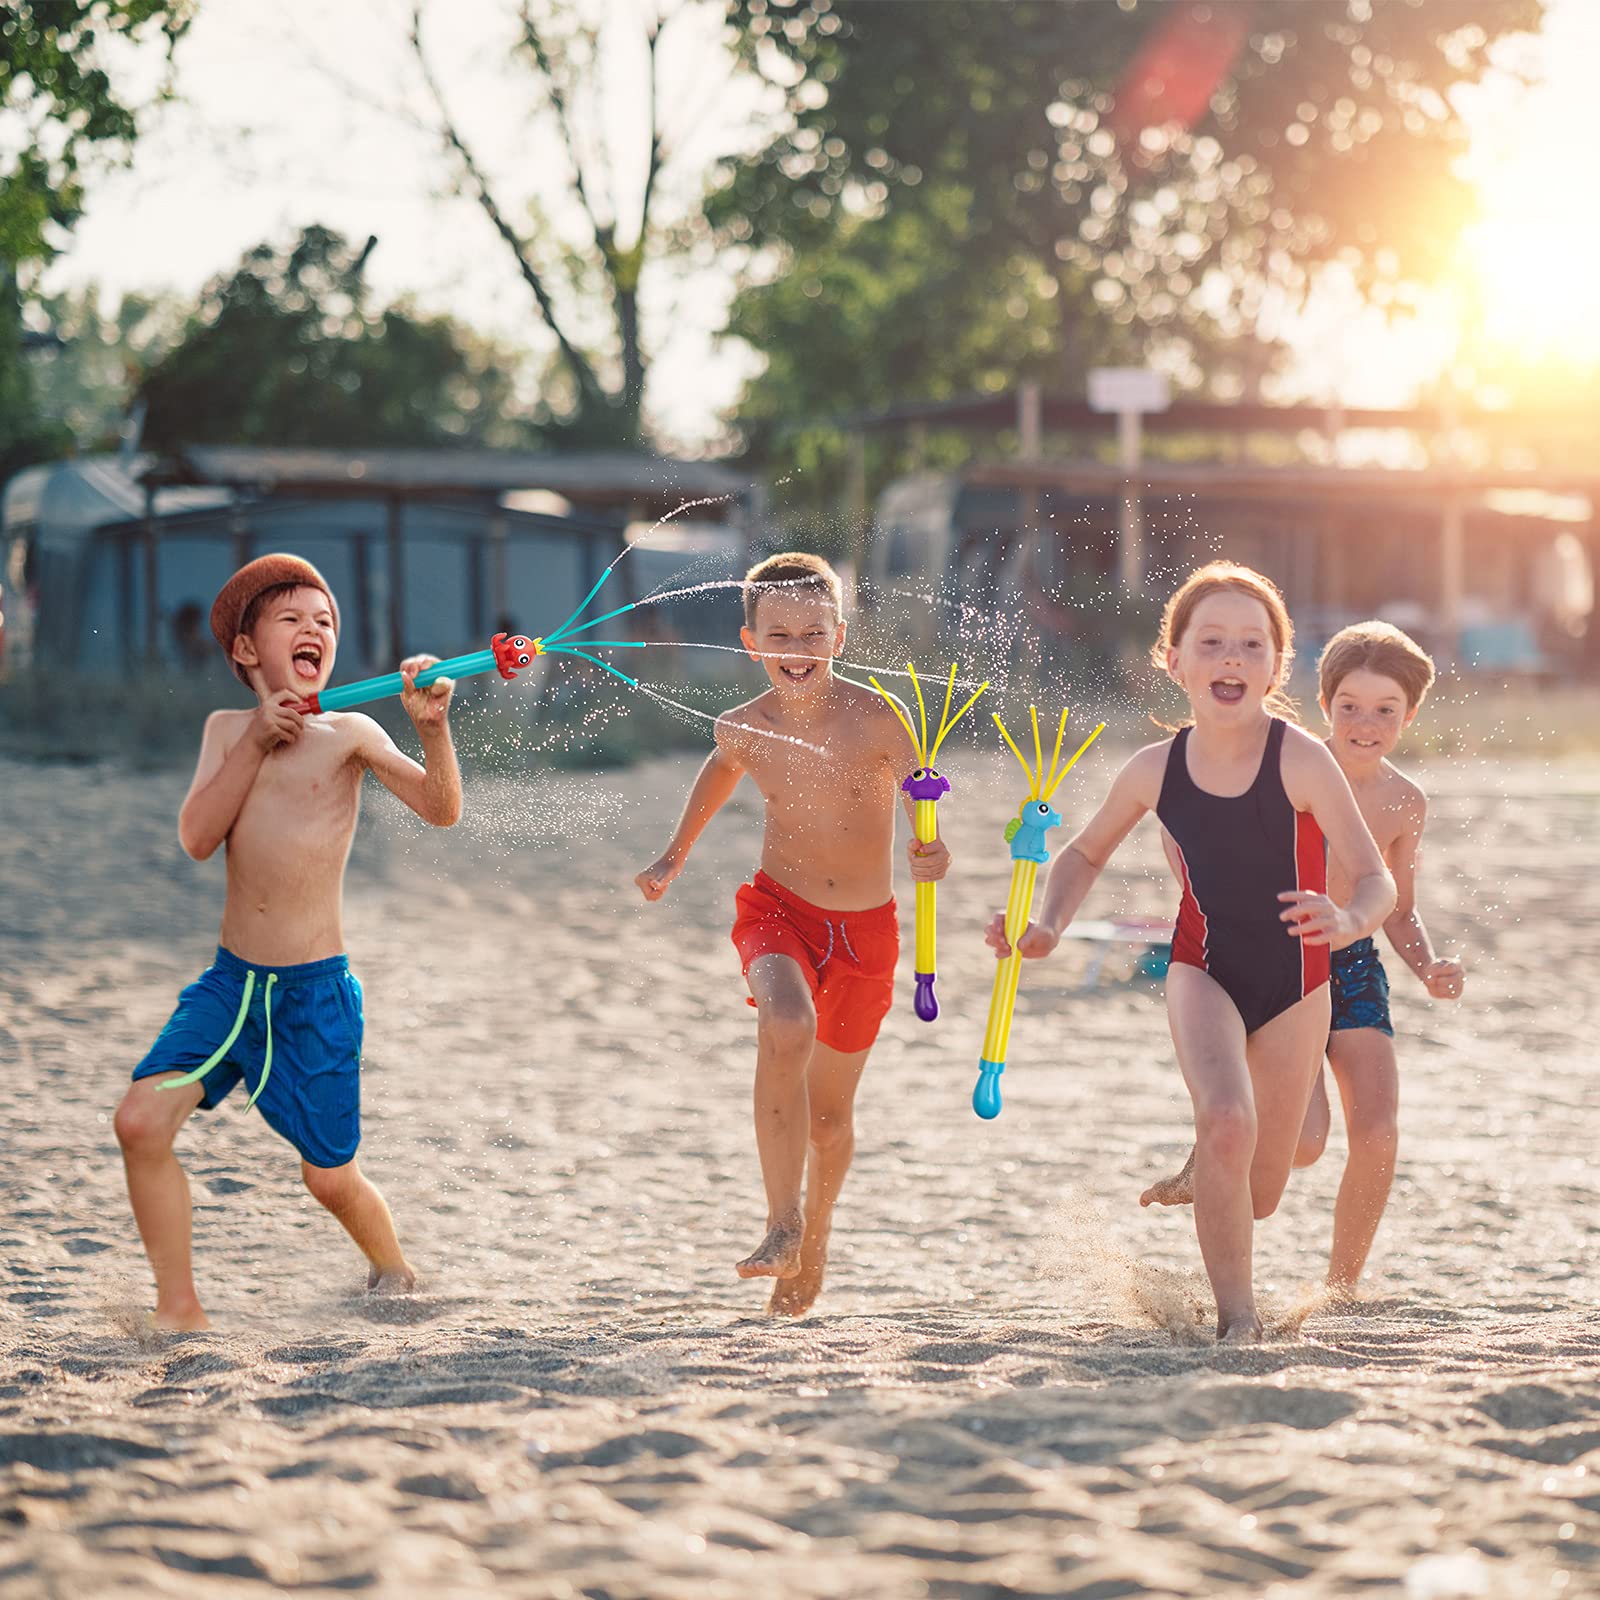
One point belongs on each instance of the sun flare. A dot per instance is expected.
(1528, 274)
(1532, 266)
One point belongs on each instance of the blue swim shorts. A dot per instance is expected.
(1359, 989)
(292, 1035)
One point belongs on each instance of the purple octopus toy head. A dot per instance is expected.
(926, 784)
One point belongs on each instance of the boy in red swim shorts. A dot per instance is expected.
(816, 931)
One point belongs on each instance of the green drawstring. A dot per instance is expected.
(223, 1048)
(266, 1060)
(227, 1044)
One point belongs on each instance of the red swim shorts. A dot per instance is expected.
(848, 957)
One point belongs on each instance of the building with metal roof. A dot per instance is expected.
(119, 556)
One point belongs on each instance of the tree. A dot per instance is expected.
(25, 435)
(1163, 161)
(587, 283)
(875, 306)
(285, 351)
(60, 107)
(87, 376)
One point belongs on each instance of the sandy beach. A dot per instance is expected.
(1009, 1387)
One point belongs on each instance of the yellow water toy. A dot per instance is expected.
(925, 786)
(1025, 833)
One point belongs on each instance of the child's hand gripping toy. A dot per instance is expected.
(926, 786)
(1025, 833)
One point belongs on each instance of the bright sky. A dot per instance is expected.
(304, 112)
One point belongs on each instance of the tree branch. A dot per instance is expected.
(588, 382)
(604, 233)
(652, 39)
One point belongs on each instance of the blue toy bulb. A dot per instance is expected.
(986, 1094)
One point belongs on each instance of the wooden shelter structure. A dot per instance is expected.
(1449, 541)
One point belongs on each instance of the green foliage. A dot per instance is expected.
(1331, 130)
(974, 154)
(58, 106)
(885, 306)
(25, 435)
(60, 103)
(284, 351)
(87, 379)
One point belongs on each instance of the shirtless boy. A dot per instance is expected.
(1371, 681)
(278, 1008)
(816, 930)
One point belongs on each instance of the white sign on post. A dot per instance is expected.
(1117, 389)
(1128, 393)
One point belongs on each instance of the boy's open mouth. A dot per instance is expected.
(1230, 691)
(797, 672)
(307, 661)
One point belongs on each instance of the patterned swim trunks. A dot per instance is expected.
(1359, 989)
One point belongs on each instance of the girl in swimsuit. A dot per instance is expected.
(1247, 802)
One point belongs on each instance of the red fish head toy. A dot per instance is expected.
(512, 654)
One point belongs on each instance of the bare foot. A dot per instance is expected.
(1177, 1190)
(778, 1255)
(181, 1316)
(392, 1280)
(793, 1297)
(1247, 1330)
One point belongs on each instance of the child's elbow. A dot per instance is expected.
(1095, 865)
(195, 845)
(1391, 895)
(446, 813)
(1402, 911)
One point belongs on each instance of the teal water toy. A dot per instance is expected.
(1025, 833)
(507, 654)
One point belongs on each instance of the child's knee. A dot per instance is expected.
(1263, 1202)
(831, 1127)
(787, 1024)
(1313, 1141)
(1226, 1131)
(332, 1187)
(141, 1125)
(1375, 1131)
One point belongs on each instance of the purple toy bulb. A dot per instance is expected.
(926, 784)
(926, 1004)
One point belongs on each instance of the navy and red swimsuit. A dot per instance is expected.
(1236, 855)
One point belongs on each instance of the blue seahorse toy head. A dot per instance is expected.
(1026, 833)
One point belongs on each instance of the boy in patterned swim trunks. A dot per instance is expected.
(1371, 682)
(816, 930)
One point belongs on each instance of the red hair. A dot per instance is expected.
(1224, 577)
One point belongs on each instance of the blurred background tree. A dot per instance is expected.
(86, 375)
(585, 247)
(285, 351)
(1082, 181)
(61, 111)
